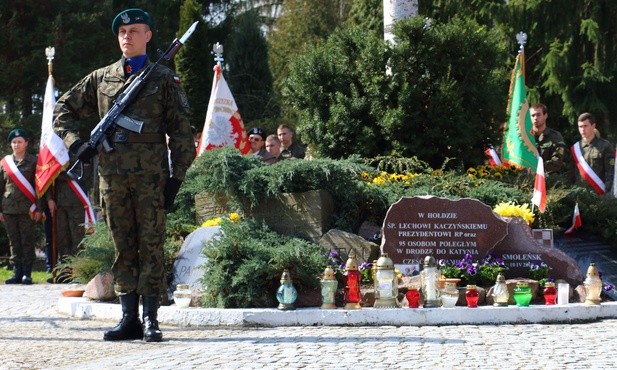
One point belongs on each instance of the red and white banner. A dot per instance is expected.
(586, 171)
(53, 154)
(492, 156)
(89, 218)
(223, 125)
(576, 221)
(539, 187)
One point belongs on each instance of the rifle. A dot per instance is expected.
(99, 136)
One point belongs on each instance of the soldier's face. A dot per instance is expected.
(19, 145)
(257, 142)
(273, 147)
(133, 39)
(538, 118)
(585, 128)
(285, 136)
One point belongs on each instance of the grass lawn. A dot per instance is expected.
(38, 277)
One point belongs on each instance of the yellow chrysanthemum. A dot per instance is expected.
(212, 222)
(509, 209)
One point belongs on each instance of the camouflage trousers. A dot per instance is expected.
(69, 230)
(20, 229)
(136, 218)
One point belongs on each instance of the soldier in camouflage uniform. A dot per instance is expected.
(136, 185)
(68, 214)
(598, 153)
(17, 211)
(550, 143)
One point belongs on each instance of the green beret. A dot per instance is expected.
(17, 133)
(130, 16)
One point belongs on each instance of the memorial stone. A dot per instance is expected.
(304, 214)
(345, 243)
(188, 266)
(519, 249)
(445, 229)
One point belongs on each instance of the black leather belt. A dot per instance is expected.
(131, 137)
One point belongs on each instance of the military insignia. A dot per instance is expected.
(125, 18)
(184, 101)
(128, 69)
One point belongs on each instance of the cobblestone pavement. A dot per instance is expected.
(34, 336)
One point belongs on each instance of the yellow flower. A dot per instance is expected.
(212, 222)
(378, 180)
(234, 217)
(509, 209)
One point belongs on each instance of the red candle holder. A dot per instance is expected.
(472, 296)
(413, 297)
(352, 289)
(550, 293)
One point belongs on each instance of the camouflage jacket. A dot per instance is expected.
(553, 150)
(161, 105)
(14, 201)
(600, 155)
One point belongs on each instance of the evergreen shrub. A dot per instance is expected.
(246, 262)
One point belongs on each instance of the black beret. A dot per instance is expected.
(130, 16)
(18, 133)
(257, 131)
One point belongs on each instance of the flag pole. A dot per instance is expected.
(50, 53)
(521, 39)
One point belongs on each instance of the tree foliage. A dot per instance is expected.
(367, 14)
(301, 23)
(249, 75)
(430, 106)
(571, 51)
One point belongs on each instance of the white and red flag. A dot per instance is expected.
(53, 154)
(493, 157)
(539, 187)
(576, 221)
(223, 125)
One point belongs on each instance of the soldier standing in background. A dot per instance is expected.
(135, 182)
(549, 142)
(68, 219)
(19, 207)
(593, 158)
(290, 148)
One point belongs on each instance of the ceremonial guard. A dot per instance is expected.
(19, 208)
(138, 179)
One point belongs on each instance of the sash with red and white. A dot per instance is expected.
(9, 166)
(90, 218)
(586, 171)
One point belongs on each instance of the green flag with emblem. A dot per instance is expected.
(519, 145)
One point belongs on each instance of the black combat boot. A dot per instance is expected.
(152, 333)
(129, 327)
(27, 278)
(17, 274)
